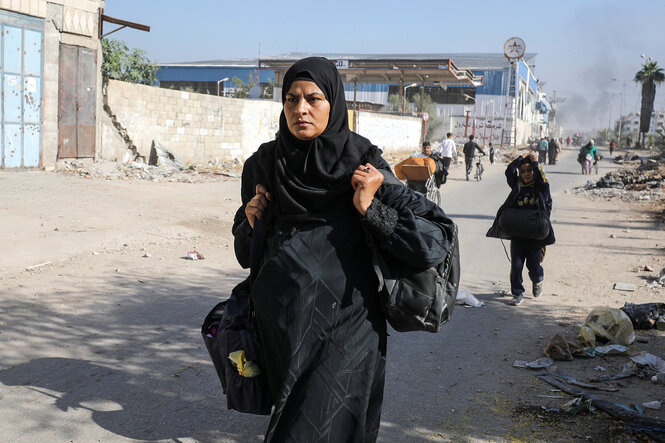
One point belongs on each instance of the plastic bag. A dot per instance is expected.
(612, 324)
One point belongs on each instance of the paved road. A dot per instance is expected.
(106, 347)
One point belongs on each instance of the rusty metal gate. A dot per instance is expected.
(77, 93)
(21, 71)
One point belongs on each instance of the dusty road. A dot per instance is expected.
(99, 339)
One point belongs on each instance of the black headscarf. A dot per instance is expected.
(314, 176)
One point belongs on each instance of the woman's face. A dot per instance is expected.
(306, 110)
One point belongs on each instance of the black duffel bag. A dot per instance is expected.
(228, 329)
(524, 223)
(231, 338)
(417, 299)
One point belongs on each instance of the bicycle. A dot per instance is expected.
(419, 178)
(479, 169)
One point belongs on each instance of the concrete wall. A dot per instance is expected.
(198, 128)
(390, 132)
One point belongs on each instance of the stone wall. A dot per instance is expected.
(198, 128)
(201, 128)
(390, 132)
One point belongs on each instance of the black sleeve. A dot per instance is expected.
(241, 230)
(408, 227)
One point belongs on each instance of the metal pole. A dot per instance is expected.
(485, 124)
(517, 93)
(623, 94)
(466, 125)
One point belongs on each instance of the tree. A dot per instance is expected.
(649, 76)
(434, 124)
(127, 65)
(241, 89)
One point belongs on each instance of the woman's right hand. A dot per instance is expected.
(256, 207)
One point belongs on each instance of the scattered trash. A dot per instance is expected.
(648, 268)
(652, 404)
(650, 360)
(622, 406)
(611, 324)
(638, 409)
(466, 298)
(41, 265)
(542, 362)
(659, 378)
(194, 255)
(600, 368)
(554, 410)
(147, 255)
(572, 381)
(613, 236)
(645, 315)
(576, 405)
(625, 287)
(561, 349)
(611, 350)
(629, 369)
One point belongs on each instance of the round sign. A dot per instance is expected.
(514, 47)
(425, 116)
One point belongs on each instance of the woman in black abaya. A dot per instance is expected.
(315, 293)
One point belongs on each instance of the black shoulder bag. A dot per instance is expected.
(417, 299)
(232, 341)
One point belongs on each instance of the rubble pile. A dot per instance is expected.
(644, 183)
(108, 170)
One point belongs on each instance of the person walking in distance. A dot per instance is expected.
(543, 146)
(553, 150)
(529, 195)
(447, 151)
(491, 153)
(469, 149)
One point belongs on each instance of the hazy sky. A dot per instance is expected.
(581, 45)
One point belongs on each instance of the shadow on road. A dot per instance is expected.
(129, 352)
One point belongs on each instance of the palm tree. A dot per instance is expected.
(649, 76)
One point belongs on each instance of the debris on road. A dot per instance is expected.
(40, 265)
(466, 298)
(609, 323)
(194, 255)
(645, 315)
(625, 287)
(541, 363)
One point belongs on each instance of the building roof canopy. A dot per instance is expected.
(385, 69)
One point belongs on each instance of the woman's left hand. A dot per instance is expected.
(366, 180)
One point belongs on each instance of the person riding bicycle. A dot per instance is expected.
(469, 150)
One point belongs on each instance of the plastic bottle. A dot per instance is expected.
(659, 378)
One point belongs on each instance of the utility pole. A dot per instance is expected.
(623, 94)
